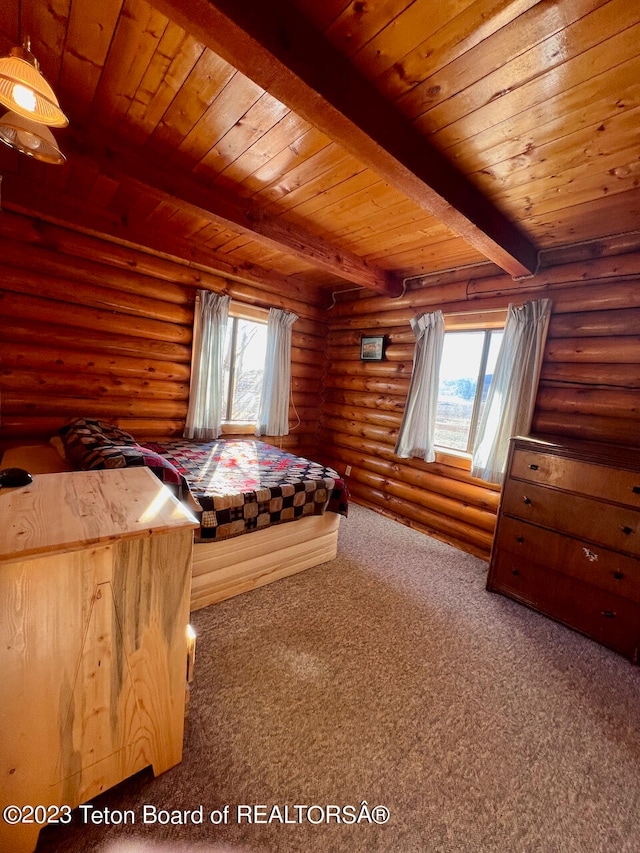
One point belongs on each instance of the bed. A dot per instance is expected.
(249, 487)
(264, 513)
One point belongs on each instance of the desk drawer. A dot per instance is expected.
(607, 618)
(587, 478)
(605, 524)
(617, 573)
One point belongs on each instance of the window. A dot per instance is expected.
(245, 352)
(468, 361)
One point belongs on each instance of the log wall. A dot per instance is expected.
(95, 329)
(589, 388)
(99, 329)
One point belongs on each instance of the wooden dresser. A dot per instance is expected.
(95, 572)
(567, 541)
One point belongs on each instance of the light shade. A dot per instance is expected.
(30, 137)
(24, 90)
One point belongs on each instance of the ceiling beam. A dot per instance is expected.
(276, 47)
(117, 159)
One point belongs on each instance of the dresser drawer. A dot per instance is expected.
(609, 619)
(605, 524)
(587, 478)
(608, 570)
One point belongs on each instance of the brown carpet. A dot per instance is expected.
(391, 676)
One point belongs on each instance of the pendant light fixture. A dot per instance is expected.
(23, 89)
(30, 138)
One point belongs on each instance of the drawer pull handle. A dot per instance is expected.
(618, 576)
(515, 572)
(627, 530)
(519, 538)
(526, 501)
(636, 490)
(608, 614)
(533, 467)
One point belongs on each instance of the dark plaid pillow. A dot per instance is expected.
(82, 436)
(92, 444)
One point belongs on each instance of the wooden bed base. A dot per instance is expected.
(227, 568)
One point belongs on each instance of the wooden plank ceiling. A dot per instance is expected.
(331, 143)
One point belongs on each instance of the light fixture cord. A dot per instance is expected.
(20, 23)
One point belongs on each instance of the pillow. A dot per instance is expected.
(93, 444)
(89, 432)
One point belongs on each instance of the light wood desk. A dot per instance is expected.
(95, 571)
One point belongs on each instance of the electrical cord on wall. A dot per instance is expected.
(299, 421)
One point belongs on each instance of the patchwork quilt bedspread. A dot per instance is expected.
(243, 485)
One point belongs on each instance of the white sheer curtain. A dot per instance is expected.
(204, 417)
(509, 406)
(417, 430)
(273, 413)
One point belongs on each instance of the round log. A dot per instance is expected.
(375, 433)
(390, 420)
(91, 387)
(148, 428)
(376, 324)
(83, 362)
(625, 349)
(596, 323)
(464, 492)
(588, 427)
(597, 297)
(383, 402)
(18, 403)
(307, 359)
(304, 400)
(307, 415)
(65, 338)
(296, 443)
(314, 328)
(400, 352)
(443, 505)
(18, 429)
(607, 402)
(77, 316)
(75, 244)
(65, 290)
(306, 341)
(343, 353)
(432, 522)
(622, 375)
(350, 341)
(413, 302)
(309, 385)
(266, 298)
(306, 371)
(565, 274)
(398, 386)
(480, 551)
(371, 368)
(307, 425)
(439, 468)
(42, 260)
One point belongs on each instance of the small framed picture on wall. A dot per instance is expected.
(372, 348)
